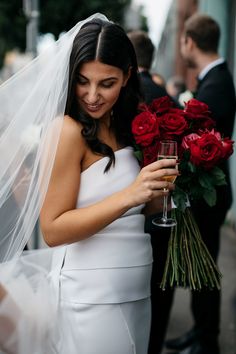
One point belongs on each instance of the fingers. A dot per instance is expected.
(155, 179)
(163, 186)
(161, 168)
(160, 164)
(160, 174)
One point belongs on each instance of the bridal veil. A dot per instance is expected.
(32, 109)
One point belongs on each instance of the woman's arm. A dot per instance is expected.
(61, 221)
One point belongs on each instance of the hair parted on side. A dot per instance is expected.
(108, 43)
(204, 31)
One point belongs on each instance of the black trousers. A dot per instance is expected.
(205, 304)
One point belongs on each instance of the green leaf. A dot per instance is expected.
(218, 176)
(183, 180)
(180, 198)
(205, 180)
(196, 191)
(191, 167)
(209, 196)
(138, 154)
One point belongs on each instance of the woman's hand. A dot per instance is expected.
(150, 182)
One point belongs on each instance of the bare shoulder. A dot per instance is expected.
(71, 146)
(71, 134)
(71, 128)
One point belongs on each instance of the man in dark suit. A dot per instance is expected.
(161, 300)
(144, 50)
(199, 48)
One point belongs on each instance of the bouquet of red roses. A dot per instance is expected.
(201, 150)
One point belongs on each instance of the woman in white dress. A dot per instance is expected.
(94, 202)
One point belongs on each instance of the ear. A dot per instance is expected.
(190, 43)
(127, 76)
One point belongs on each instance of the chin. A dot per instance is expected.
(96, 115)
(93, 115)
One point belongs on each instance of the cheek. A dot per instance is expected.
(79, 91)
(112, 96)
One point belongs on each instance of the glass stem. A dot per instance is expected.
(165, 207)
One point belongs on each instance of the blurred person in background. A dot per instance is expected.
(144, 49)
(199, 48)
(175, 86)
(161, 300)
(158, 79)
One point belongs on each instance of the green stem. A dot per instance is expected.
(189, 262)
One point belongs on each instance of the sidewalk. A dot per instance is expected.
(181, 320)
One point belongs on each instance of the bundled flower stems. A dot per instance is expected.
(188, 263)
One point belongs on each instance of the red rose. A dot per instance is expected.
(195, 109)
(204, 123)
(198, 113)
(172, 124)
(145, 128)
(161, 105)
(150, 154)
(187, 140)
(216, 134)
(227, 145)
(206, 151)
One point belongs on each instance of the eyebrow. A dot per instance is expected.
(106, 79)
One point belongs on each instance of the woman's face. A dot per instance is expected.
(98, 87)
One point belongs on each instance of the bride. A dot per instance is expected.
(89, 292)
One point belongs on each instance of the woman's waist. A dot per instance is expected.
(98, 286)
(109, 251)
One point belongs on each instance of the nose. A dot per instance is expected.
(92, 95)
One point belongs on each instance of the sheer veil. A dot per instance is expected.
(32, 109)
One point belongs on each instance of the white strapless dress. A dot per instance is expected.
(102, 284)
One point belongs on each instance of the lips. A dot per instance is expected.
(93, 107)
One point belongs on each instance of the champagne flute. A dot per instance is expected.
(167, 150)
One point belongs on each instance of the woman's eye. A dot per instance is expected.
(81, 81)
(107, 84)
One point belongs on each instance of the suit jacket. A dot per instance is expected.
(216, 89)
(149, 89)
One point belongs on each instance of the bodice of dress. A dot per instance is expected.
(117, 260)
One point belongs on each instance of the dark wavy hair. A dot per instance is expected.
(108, 43)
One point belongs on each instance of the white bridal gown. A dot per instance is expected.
(102, 284)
